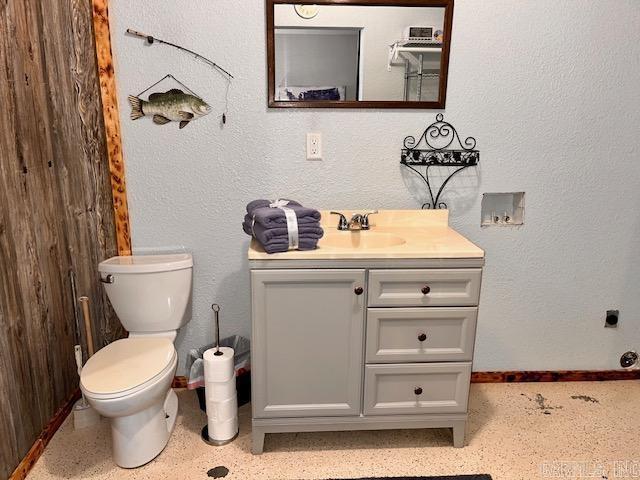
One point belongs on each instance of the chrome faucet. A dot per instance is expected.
(359, 221)
(356, 222)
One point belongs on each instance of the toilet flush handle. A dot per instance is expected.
(108, 279)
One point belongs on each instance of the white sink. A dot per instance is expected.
(360, 239)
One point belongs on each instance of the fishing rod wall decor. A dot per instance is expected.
(438, 146)
(150, 39)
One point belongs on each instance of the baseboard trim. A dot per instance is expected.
(47, 434)
(515, 376)
(554, 376)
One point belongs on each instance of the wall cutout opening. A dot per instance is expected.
(502, 209)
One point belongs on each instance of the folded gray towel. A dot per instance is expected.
(264, 234)
(260, 212)
(276, 246)
(269, 225)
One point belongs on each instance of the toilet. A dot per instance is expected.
(129, 380)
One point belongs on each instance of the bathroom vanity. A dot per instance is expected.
(374, 329)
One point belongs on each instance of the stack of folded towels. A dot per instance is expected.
(266, 221)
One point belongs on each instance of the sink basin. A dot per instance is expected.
(360, 240)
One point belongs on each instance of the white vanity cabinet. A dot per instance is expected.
(362, 344)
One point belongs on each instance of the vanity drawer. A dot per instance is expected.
(420, 334)
(424, 287)
(416, 388)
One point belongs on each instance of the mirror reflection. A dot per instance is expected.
(357, 53)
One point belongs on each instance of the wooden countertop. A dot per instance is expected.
(423, 234)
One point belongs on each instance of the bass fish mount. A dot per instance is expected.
(172, 105)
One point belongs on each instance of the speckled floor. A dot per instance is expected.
(513, 430)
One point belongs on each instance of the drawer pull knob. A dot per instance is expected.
(418, 391)
(358, 290)
(422, 337)
(426, 289)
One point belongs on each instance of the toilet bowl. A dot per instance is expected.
(129, 380)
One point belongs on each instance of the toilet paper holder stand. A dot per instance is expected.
(205, 430)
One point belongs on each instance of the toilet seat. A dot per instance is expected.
(127, 366)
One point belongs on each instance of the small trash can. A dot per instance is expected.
(242, 363)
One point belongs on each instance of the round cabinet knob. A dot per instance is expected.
(422, 337)
(418, 391)
(358, 290)
(426, 289)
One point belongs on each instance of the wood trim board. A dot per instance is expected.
(36, 450)
(554, 376)
(108, 92)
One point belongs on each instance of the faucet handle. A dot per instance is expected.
(365, 219)
(343, 224)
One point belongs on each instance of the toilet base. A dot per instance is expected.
(139, 438)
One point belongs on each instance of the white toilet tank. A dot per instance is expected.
(150, 293)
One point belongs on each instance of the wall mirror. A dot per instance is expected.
(358, 53)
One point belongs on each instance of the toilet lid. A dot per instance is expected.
(126, 364)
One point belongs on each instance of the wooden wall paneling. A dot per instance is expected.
(81, 169)
(20, 286)
(65, 145)
(60, 332)
(55, 210)
(112, 123)
(96, 154)
(33, 146)
(16, 427)
(12, 244)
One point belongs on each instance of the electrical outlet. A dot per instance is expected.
(314, 146)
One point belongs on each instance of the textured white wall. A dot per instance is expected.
(550, 90)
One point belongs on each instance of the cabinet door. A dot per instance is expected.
(307, 355)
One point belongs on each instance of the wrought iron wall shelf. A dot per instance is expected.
(434, 149)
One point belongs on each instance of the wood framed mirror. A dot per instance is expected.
(358, 53)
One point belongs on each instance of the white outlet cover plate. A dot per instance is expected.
(314, 146)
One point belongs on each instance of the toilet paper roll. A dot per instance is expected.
(221, 431)
(220, 391)
(218, 368)
(222, 411)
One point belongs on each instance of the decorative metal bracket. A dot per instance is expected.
(436, 143)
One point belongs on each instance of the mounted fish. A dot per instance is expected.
(173, 105)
